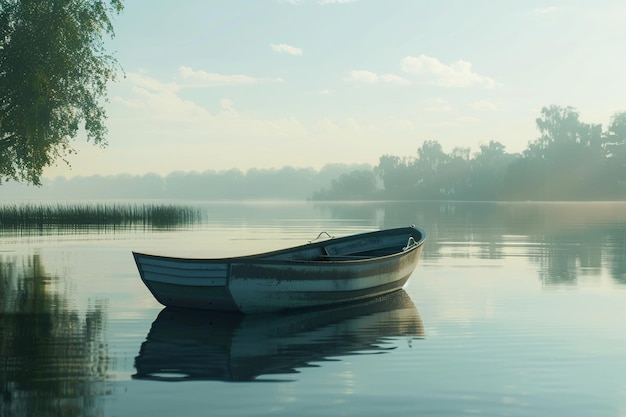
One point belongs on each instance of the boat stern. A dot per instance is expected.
(186, 283)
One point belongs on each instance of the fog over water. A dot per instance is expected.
(513, 309)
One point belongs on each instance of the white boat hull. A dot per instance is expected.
(330, 272)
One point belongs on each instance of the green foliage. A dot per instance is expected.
(616, 146)
(355, 185)
(570, 160)
(397, 175)
(53, 76)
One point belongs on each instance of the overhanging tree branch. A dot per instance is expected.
(53, 77)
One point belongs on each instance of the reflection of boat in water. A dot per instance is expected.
(193, 345)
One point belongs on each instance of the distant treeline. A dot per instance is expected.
(255, 184)
(571, 160)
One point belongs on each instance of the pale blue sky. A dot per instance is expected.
(268, 83)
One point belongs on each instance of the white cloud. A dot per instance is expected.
(458, 74)
(365, 77)
(485, 105)
(287, 49)
(392, 79)
(325, 2)
(152, 122)
(368, 77)
(141, 81)
(157, 112)
(158, 102)
(210, 79)
(227, 105)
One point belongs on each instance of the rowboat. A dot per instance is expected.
(193, 345)
(319, 273)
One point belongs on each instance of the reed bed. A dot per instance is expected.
(65, 215)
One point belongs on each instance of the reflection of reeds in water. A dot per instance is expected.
(70, 216)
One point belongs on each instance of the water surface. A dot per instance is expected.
(514, 309)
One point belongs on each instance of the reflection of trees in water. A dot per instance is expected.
(558, 264)
(449, 224)
(563, 239)
(616, 256)
(53, 361)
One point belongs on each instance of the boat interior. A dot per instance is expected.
(348, 249)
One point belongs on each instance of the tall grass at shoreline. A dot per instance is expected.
(66, 215)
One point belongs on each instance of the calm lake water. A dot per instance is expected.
(514, 310)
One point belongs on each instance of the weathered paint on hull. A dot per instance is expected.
(263, 289)
(281, 280)
(204, 298)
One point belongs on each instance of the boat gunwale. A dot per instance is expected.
(259, 257)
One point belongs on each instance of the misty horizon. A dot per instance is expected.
(371, 80)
